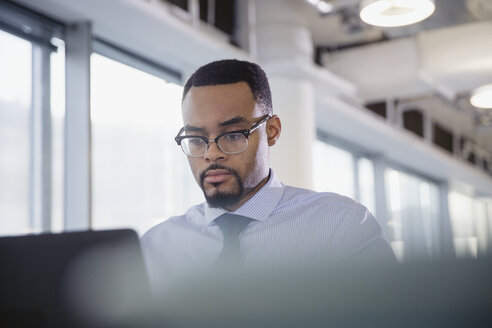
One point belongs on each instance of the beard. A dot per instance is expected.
(221, 199)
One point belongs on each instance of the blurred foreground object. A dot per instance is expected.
(97, 279)
(340, 294)
(76, 279)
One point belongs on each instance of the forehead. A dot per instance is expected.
(217, 103)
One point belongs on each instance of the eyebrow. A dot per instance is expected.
(234, 120)
(191, 128)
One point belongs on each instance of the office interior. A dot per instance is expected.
(90, 95)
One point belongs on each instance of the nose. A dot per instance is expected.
(213, 153)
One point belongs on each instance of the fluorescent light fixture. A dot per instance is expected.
(313, 2)
(391, 13)
(482, 97)
(324, 7)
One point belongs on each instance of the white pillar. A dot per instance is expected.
(291, 157)
(282, 32)
(282, 37)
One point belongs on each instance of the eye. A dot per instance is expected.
(233, 137)
(195, 141)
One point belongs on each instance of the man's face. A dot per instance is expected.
(209, 111)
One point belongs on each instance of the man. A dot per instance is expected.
(228, 128)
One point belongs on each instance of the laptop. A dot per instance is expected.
(74, 279)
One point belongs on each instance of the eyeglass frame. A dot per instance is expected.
(245, 132)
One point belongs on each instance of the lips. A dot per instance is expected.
(217, 176)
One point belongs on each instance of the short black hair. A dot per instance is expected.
(230, 71)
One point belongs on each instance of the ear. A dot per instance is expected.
(273, 128)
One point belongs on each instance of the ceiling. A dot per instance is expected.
(437, 62)
(343, 26)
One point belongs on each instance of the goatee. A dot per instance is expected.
(222, 199)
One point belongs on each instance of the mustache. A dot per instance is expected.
(216, 166)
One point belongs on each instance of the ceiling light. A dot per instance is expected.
(391, 13)
(482, 97)
(324, 7)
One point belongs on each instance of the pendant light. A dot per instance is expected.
(482, 97)
(392, 13)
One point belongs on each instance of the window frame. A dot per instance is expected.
(38, 31)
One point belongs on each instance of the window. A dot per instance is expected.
(480, 212)
(443, 137)
(15, 105)
(471, 223)
(140, 176)
(378, 108)
(366, 184)
(461, 213)
(340, 171)
(31, 122)
(333, 169)
(413, 120)
(414, 215)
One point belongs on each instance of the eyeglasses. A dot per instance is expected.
(233, 142)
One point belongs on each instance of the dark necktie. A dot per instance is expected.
(231, 226)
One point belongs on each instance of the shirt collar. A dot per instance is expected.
(259, 207)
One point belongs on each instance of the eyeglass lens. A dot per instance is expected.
(229, 143)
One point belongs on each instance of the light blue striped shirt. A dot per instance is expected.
(289, 224)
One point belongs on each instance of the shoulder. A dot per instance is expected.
(355, 229)
(326, 207)
(319, 199)
(172, 225)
